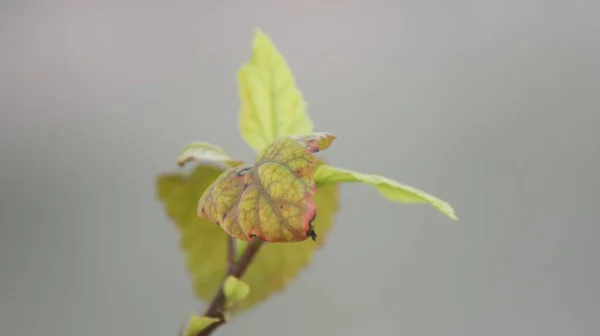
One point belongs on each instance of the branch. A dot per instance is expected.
(216, 307)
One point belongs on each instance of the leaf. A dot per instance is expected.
(272, 200)
(391, 189)
(220, 201)
(198, 323)
(235, 289)
(205, 244)
(317, 141)
(204, 151)
(271, 104)
(277, 265)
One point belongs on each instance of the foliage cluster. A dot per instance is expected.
(272, 110)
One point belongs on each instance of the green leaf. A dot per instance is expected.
(205, 244)
(271, 104)
(204, 151)
(394, 191)
(198, 323)
(235, 289)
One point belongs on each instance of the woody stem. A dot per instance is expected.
(236, 269)
(231, 253)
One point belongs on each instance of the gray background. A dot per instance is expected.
(490, 105)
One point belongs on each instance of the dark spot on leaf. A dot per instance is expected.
(312, 234)
(281, 206)
(245, 186)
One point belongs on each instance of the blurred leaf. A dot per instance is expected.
(235, 289)
(204, 151)
(205, 244)
(198, 323)
(271, 104)
(272, 200)
(391, 189)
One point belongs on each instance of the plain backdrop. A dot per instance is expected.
(491, 105)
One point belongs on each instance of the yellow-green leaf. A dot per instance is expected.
(277, 265)
(235, 289)
(272, 200)
(271, 104)
(391, 189)
(198, 323)
(220, 201)
(204, 151)
(205, 244)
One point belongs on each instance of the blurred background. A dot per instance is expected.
(491, 105)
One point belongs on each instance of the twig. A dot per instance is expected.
(216, 307)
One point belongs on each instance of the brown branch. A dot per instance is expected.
(237, 269)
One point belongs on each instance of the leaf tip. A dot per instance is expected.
(328, 139)
(257, 31)
(447, 209)
(260, 37)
